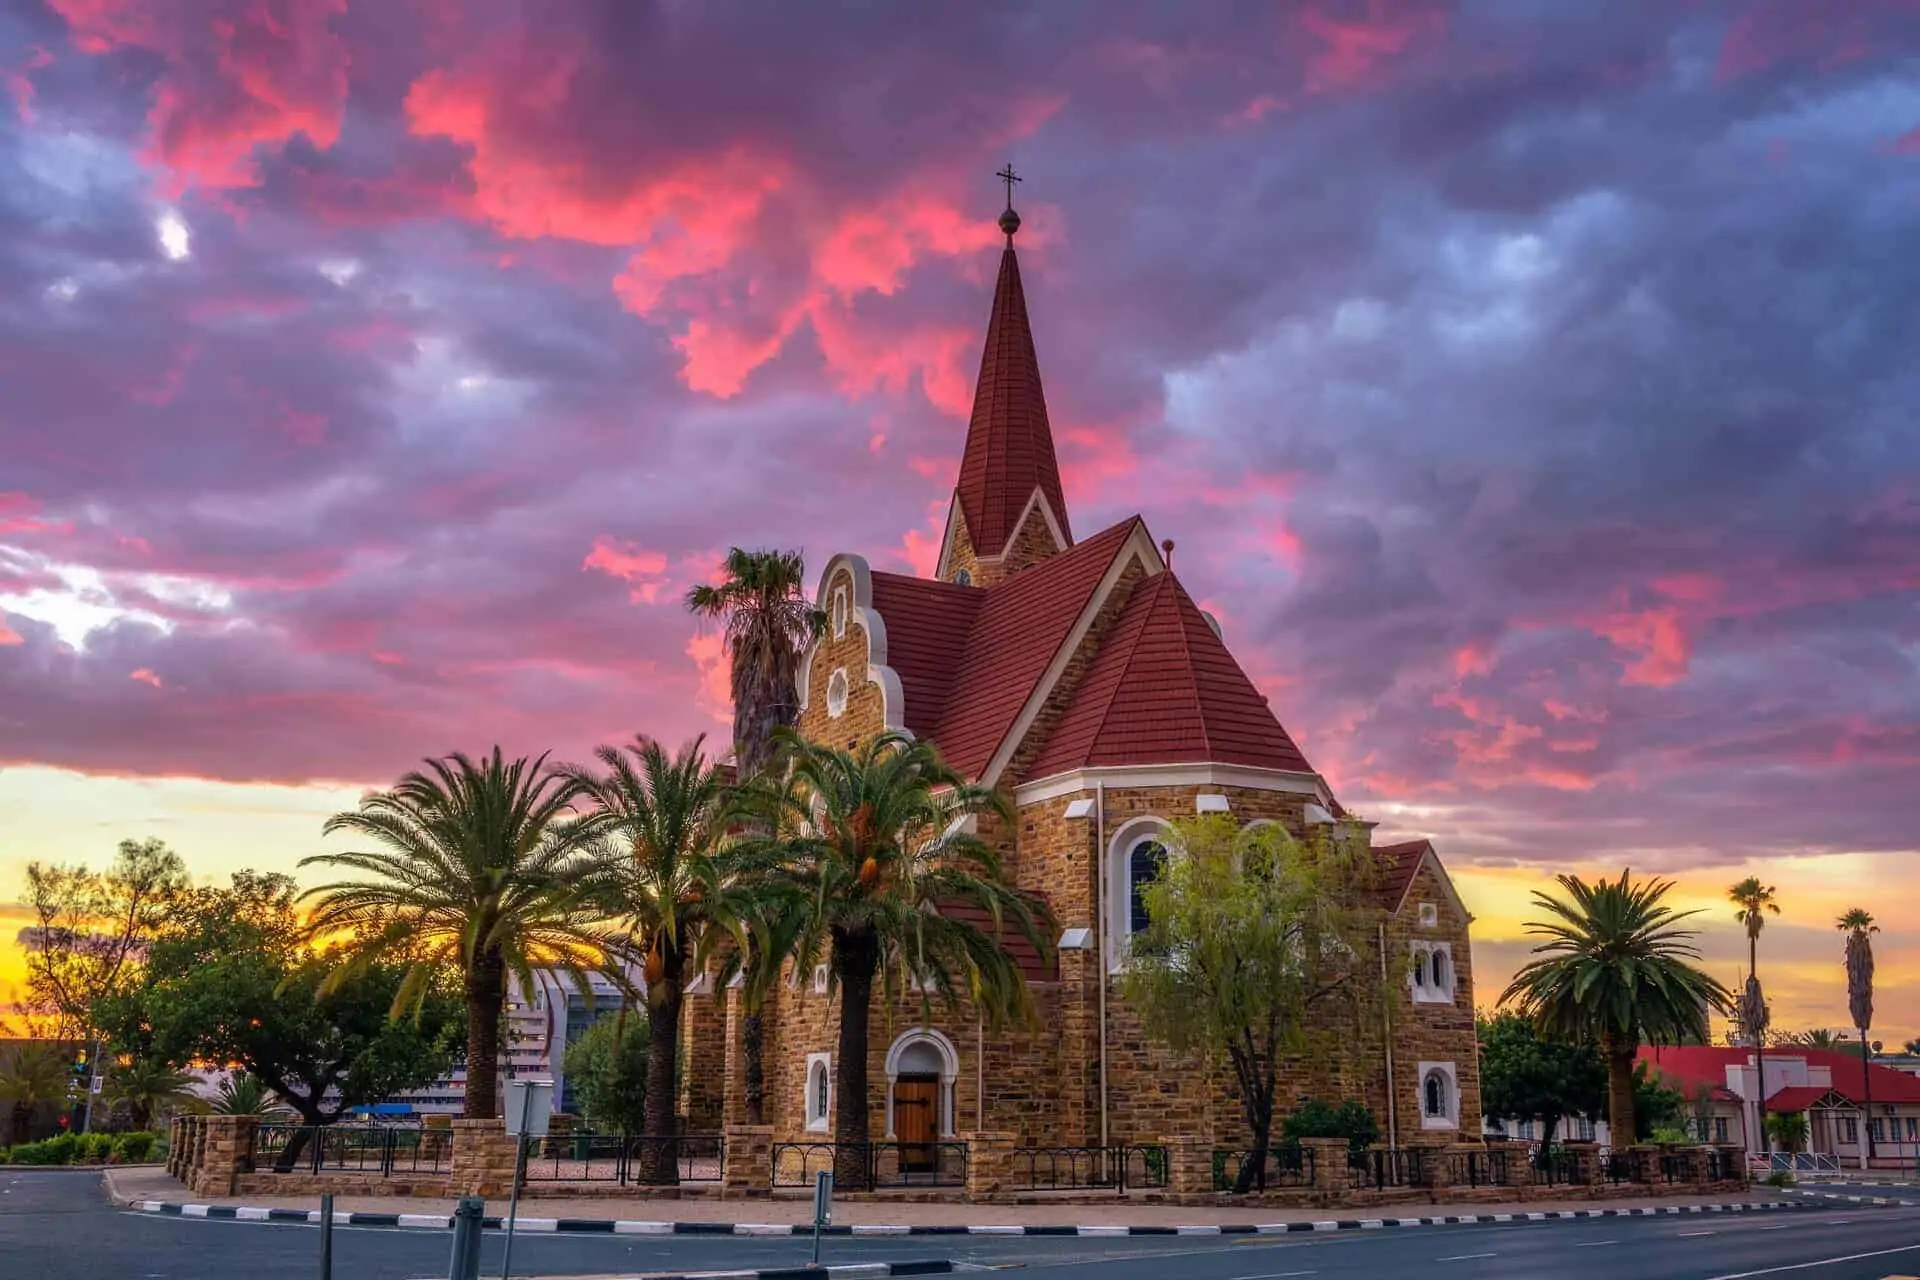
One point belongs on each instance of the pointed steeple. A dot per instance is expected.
(1009, 453)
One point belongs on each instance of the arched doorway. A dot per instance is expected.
(921, 1069)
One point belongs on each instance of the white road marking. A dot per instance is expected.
(1823, 1262)
(1276, 1275)
(1684, 1235)
(1464, 1257)
(1594, 1244)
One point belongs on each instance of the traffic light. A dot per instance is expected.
(79, 1067)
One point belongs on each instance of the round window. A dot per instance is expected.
(837, 694)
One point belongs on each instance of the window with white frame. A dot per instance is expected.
(1146, 859)
(1431, 978)
(837, 693)
(839, 612)
(1719, 1128)
(819, 979)
(1852, 1125)
(1913, 1128)
(1136, 857)
(1439, 1096)
(1429, 915)
(819, 1091)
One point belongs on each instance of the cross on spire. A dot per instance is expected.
(1009, 221)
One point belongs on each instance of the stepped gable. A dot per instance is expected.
(927, 626)
(1164, 690)
(1019, 627)
(1009, 449)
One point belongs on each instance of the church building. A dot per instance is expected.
(1077, 675)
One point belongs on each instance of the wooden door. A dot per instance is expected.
(916, 1121)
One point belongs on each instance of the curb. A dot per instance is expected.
(1835, 1195)
(607, 1226)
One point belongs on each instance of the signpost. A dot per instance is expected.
(822, 1209)
(529, 1104)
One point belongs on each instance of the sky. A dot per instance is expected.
(1529, 387)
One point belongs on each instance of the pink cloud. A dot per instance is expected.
(1658, 640)
(714, 692)
(241, 77)
(145, 675)
(1358, 44)
(9, 636)
(644, 569)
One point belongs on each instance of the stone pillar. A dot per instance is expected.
(746, 1162)
(733, 1088)
(227, 1145)
(1733, 1157)
(703, 1053)
(989, 1164)
(1189, 1166)
(483, 1158)
(1589, 1171)
(1331, 1176)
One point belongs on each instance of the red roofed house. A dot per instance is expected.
(1844, 1100)
(1078, 675)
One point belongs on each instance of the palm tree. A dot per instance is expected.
(1859, 927)
(482, 871)
(763, 930)
(1818, 1038)
(149, 1087)
(1755, 902)
(664, 876)
(245, 1094)
(768, 622)
(1617, 971)
(873, 845)
(32, 1072)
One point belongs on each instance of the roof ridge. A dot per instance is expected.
(1186, 651)
(1133, 648)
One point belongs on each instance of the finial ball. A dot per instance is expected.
(1009, 222)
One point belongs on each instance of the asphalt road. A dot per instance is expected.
(60, 1226)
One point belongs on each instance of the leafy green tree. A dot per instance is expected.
(768, 623)
(91, 928)
(1313, 1118)
(1656, 1105)
(232, 980)
(1528, 1077)
(607, 1072)
(1616, 970)
(149, 1087)
(1254, 940)
(32, 1073)
(664, 877)
(870, 843)
(481, 871)
(1818, 1038)
(1788, 1129)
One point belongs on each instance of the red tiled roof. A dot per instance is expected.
(1034, 967)
(1402, 861)
(1018, 628)
(1797, 1097)
(1708, 1063)
(927, 626)
(1009, 449)
(1164, 690)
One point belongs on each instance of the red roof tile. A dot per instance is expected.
(927, 626)
(1009, 449)
(1797, 1097)
(1708, 1063)
(1019, 626)
(1402, 861)
(1164, 690)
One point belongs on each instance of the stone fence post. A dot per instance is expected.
(1189, 1166)
(746, 1161)
(1590, 1172)
(225, 1147)
(1331, 1176)
(484, 1155)
(989, 1164)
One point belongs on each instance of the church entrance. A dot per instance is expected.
(916, 1121)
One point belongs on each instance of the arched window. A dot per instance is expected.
(962, 578)
(1145, 861)
(1439, 1096)
(1419, 969)
(1436, 1094)
(839, 612)
(1442, 977)
(837, 693)
(819, 1098)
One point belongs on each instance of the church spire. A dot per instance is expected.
(1009, 453)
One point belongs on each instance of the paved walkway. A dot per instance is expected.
(154, 1183)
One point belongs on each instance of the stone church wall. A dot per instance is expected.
(865, 713)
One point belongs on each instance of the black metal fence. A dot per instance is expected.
(878, 1165)
(1379, 1168)
(624, 1158)
(1723, 1166)
(1112, 1168)
(384, 1150)
(1477, 1168)
(1556, 1167)
(1284, 1167)
(1618, 1166)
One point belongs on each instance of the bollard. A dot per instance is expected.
(326, 1237)
(468, 1220)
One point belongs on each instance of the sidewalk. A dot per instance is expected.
(129, 1185)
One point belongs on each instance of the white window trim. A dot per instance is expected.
(1429, 915)
(820, 977)
(1120, 884)
(839, 612)
(822, 1122)
(837, 693)
(1430, 992)
(949, 1073)
(1451, 1120)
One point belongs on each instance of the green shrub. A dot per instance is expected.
(1351, 1120)
(136, 1148)
(1668, 1135)
(93, 1148)
(1779, 1178)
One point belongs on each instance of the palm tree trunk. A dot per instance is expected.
(1866, 1080)
(856, 956)
(486, 994)
(658, 1165)
(1759, 1043)
(1620, 1094)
